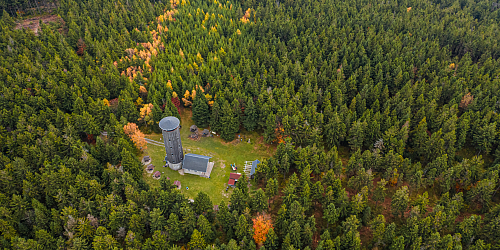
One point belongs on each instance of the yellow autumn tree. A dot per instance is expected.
(146, 114)
(139, 102)
(106, 102)
(135, 135)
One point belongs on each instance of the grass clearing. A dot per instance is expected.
(223, 154)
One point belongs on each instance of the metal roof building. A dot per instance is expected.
(234, 176)
(254, 166)
(197, 164)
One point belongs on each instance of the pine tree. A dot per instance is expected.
(330, 214)
(317, 192)
(259, 201)
(224, 218)
(174, 228)
(398, 244)
(215, 118)
(127, 109)
(334, 131)
(356, 135)
(202, 203)
(170, 108)
(205, 229)
(238, 200)
(201, 112)
(237, 116)
(242, 229)
(157, 115)
(295, 232)
(227, 122)
(272, 240)
(271, 188)
(420, 138)
(269, 131)
(379, 194)
(400, 201)
(242, 184)
(485, 137)
(131, 164)
(197, 241)
(7, 19)
(188, 220)
(157, 220)
(250, 120)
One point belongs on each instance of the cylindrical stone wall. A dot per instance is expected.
(173, 147)
(172, 139)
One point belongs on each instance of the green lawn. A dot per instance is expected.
(222, 153)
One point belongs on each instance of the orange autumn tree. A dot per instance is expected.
(135, 135)
(261, 225)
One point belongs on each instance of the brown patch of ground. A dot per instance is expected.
(318, 216)
(386, 209)
(464, 215)
(365, 234)
(34, 22)
(222, 165)
(194, 138)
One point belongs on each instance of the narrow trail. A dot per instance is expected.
(153, 142)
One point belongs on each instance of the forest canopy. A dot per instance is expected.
(384, 116)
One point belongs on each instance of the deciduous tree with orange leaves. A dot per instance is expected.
(135, 135)
(261, 225)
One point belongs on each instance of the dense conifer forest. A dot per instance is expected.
(384, 116)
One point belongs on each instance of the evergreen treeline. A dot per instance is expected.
(411, 89)
(27, 7)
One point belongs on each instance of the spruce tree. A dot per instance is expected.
(237, 116)
(250, 120)
(205, 229)
(269, 131)
(242, 229)
(201, 112)
(259, 201)
(174, 228)
(227, 122)
(202, 203)
(170, 108)
(272, 240)
(127, 109)
(356, 135)
(215, 118)
(197, 241)
(131, 164)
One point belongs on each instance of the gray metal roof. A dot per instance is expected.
(195, 162)
(169, 123)
(254, 166)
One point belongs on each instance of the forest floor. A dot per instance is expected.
(34, 23)
(223, 154)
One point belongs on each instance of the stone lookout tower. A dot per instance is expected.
(170, 127)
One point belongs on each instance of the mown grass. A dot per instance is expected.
(222, 153)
